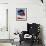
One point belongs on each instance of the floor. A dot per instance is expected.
(27, 44)
(5, 44)
(22, 44)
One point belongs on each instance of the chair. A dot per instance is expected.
(33, 30)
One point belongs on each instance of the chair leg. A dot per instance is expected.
(20, 42)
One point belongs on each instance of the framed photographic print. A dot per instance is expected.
(21, 14)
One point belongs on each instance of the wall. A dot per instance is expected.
(35, 13)
(3, 1)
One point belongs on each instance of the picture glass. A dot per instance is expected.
(21, 14)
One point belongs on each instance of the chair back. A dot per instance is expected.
(33, 28)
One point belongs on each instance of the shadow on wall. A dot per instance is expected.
(41, 34)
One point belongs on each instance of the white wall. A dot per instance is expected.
(3, 1)
(35, 13)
